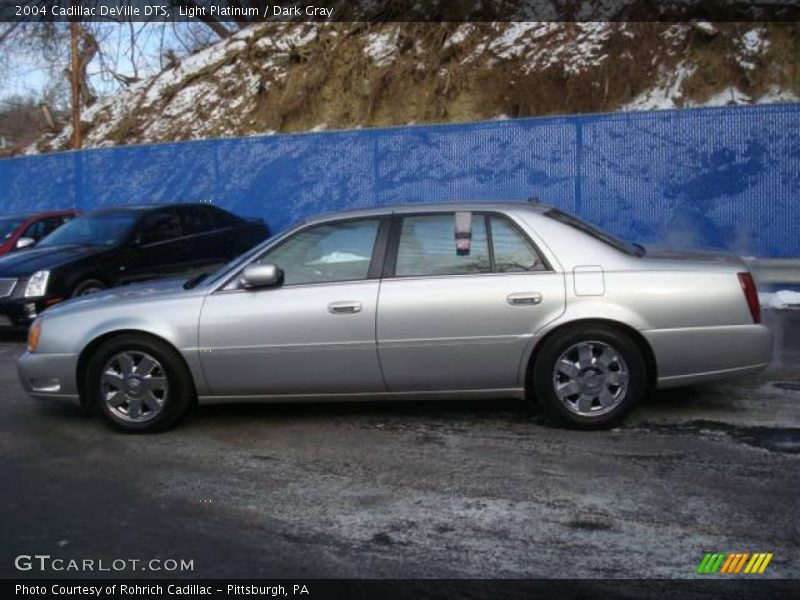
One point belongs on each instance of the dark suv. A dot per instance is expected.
(117, 246)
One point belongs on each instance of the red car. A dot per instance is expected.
(21, 231)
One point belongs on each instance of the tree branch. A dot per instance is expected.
(213, 24)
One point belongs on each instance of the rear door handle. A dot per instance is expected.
(346, 307)
(524, 299)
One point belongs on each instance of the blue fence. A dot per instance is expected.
(720, 178)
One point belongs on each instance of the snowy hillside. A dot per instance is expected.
(300, 76)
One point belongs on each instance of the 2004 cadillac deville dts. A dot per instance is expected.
(419, 302)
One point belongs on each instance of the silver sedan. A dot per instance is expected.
(478, 300)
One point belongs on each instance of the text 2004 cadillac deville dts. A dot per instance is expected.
(418, 302)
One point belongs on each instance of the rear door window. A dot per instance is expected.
(159, 226)
(196, 219)
(428, 247)
(513, 253)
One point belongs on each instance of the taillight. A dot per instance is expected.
(751, 295)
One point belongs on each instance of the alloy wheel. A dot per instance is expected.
(134, 386)
(91, 290)
(591, 378)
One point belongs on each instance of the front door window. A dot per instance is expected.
(326, 253)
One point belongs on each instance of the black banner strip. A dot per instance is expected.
(242, 11)
(375, 589)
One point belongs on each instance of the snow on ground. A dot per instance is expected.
(781, 300)
(291, 40)
(728, 97)
(189, 66)
(665, 95)
(776, 94)
(381, 47)
(458, 36)
(589, 47)
(705, 27)
(509, 44)
(543, 45)
(753, 41)
(668, 95)
(751, 45)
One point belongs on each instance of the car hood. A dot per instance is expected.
(693, 256)
(154, 290)
(26, 262)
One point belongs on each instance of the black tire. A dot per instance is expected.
(178, 397)
(542, 377)
(88, 286)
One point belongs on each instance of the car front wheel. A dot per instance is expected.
(589, 378)
(139, 384)
(88, 287)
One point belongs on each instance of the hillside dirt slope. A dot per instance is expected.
(280, 77)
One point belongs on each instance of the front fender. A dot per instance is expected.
(173, 320)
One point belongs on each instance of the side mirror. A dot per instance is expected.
(24, 242)
(260, 276)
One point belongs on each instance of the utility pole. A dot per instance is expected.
(75, 81)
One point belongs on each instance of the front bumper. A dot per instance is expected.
(49, 376)
(19, 313)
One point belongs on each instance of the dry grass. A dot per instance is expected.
(341, 87)
(332, 81)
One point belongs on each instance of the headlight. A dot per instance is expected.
(33, 334)
(37, 284)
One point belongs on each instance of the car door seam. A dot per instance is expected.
(377, 348)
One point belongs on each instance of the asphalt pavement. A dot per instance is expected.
(444, 489)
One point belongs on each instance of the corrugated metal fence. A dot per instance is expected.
(720, 177)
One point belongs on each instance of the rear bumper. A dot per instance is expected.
(49, 376)
(694, 378)
(698, 354)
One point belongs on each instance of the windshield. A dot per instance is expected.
(8, 227)
(106, 229)
(595, 232)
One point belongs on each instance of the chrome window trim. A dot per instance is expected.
(273, 244)
(256, 253)
(486, 274)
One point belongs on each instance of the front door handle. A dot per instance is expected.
(347, 307)
(524, 299)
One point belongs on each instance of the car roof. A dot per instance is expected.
(61, 211)
(140, 208)
(475, 206)
(39, 214)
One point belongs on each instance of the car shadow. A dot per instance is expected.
(394, 408)
(704, 400)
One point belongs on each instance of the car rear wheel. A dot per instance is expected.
(139, 384)
(90, 286)
(589, 377)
